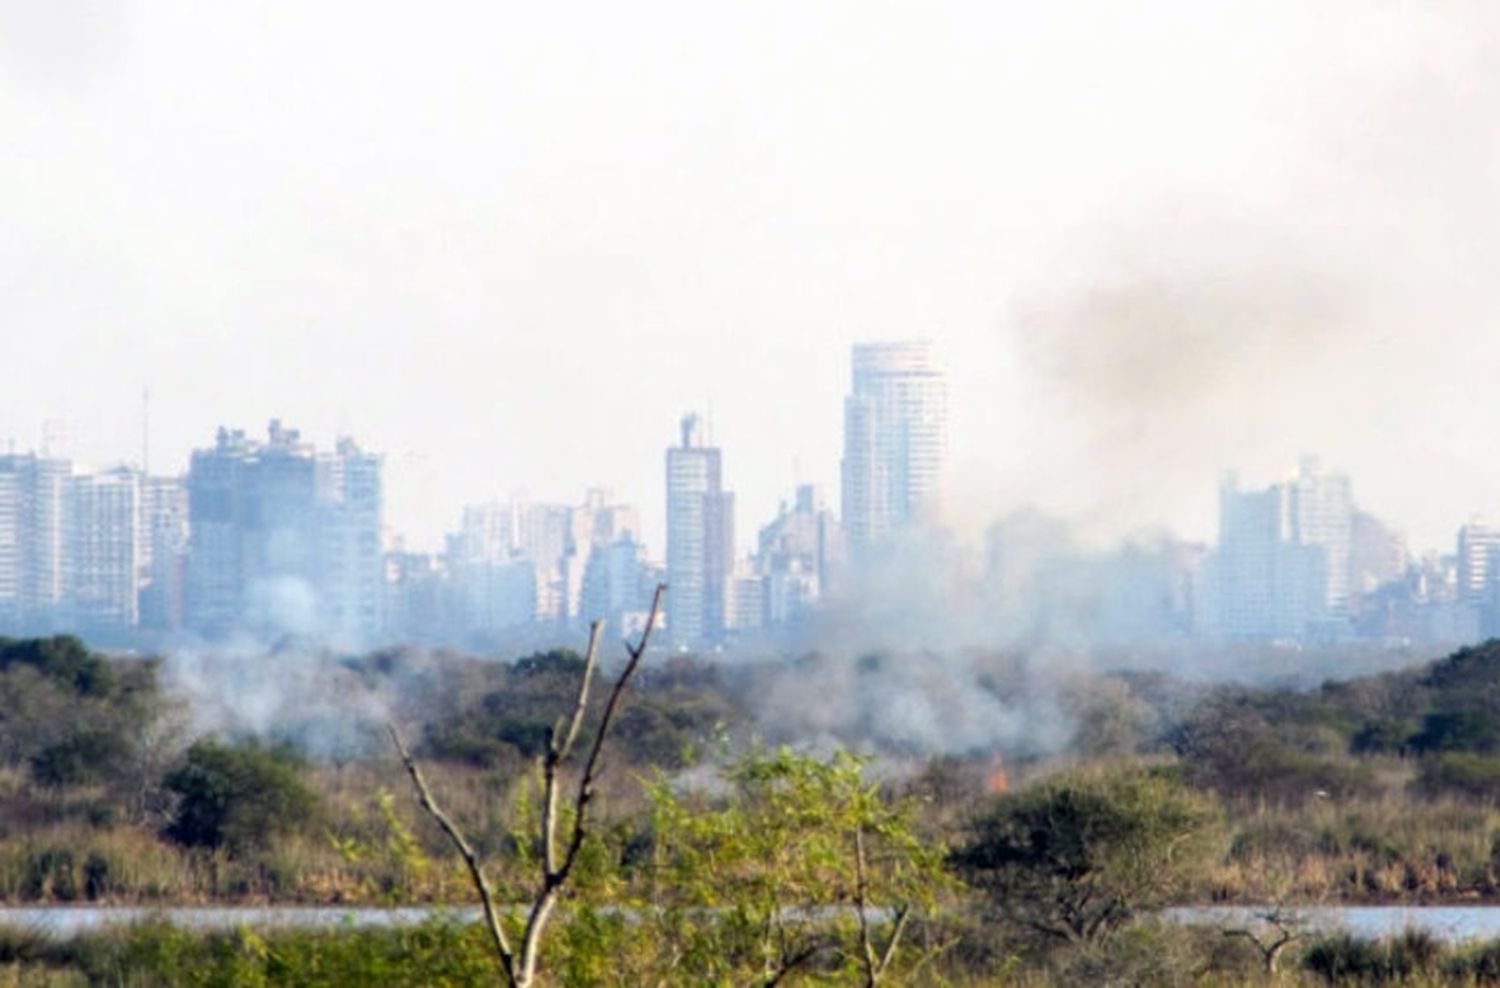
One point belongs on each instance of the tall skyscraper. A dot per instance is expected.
(283, 538)
(1263, 584)
(162, 540)
(1282, 567)
(700, 539)
(1478, 561)
(351, 579)
(895, 439)
(1322, 510)
(101, 568)
(31, 541)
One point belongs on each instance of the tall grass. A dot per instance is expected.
(1374, 848)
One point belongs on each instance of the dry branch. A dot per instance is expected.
(1287, 931)
(465, 850)
(521, 968)
(875, 968)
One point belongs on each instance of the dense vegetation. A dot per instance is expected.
(723, 858)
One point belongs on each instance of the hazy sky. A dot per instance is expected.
(507, 244)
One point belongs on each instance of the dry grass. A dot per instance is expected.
(1367, 849)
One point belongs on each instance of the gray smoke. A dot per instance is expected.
(299, 691)
(1342, 309)
(1345, 307)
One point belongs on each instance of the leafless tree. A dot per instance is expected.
(520, 962)
(1282, 929)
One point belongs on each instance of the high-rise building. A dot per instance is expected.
(1478, 574)
(1283, 565)
(1478, 561)
(252, 533)
(797, 554)
(746, 607)
(162, 541)
(598, 526)
(350, 577)
(418, 598)
(101, 570)
(31, 541)
(1322, 515)
(282, 538)
(617, 584)
(700, 539)
(515, 534)
(1263, 584)
(895, 439)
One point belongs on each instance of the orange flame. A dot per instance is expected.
(997, 783)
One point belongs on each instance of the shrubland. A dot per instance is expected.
(723, 852)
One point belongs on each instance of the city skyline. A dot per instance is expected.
(1144, 261)
(277, 536)
(654, 535)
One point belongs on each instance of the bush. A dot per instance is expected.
(237, 797)
(1237, 753)
(1080, 855)
(1386, 736)
(1460, 773)
(1344, 959)
(63, 659)
(1480, 962)
(1459, 730)
(87, 755)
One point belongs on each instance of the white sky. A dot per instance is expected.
(507, 244)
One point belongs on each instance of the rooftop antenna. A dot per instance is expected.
(145, 431)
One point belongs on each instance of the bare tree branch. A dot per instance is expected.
(591, 765)
(557, 751)
(554, 877)
(590, 662)
(1271, 948)
(790, 963)
(465, 850)
(520, 968)
(861, 903)
(903, 914)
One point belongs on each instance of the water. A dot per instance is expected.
(63, 922)
(1451, 924)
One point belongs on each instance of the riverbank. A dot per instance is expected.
(399, 947)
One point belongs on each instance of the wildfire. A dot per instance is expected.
(997, 782)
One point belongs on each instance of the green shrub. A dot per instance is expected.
(1459, 730)
(64, 659)
(1385, 736)
(52, 874)
(238, 797)
(86, 755)
(1078, 856)
(1480, 962)
(1345, 959)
